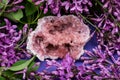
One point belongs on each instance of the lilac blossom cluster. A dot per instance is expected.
(55, 6)
(9, 37)
(109, 25)
(108, 21)
(11, 5)
(65, 70)
(102, 64)
(97, 65)
(113, 7)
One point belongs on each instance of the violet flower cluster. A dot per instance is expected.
(97, 65)
(113, 8)
(65, 70)
(11, 5)
(102, 64)
(109, 24)
(58, 6)
(9, 38)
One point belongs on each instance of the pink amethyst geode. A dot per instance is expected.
(54, 37)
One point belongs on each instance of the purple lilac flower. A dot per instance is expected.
(12, 5)
(102, 64)
(55, 6)
(65, 70)
(109, 27)
(9, 37)
(80, 6)
(113, 8)
(109, 35)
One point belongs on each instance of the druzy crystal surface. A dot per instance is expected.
(54, 37)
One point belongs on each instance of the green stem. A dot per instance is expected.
(115, 20)
(17, 46)
(37, 16)
(3, 10)
(107, 12)
(90, 22)
(34, 21)
(27, 23)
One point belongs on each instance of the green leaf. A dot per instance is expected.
(15, 15)
(5, 1)
(21, 66)
(1, 5)
(1, 69)
(18, 15)
(2, 78)
(29, 0)
(19, 62)
(35, 68)
(31, 68)
(8, 73)
(30, 8)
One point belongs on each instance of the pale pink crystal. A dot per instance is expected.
(54, 37)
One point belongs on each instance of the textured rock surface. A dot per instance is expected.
(54, 37)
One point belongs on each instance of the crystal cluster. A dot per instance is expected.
(97, 65)
(54, 37)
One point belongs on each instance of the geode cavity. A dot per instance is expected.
(54, 37)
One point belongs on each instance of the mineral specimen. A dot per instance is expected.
(55, 36)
